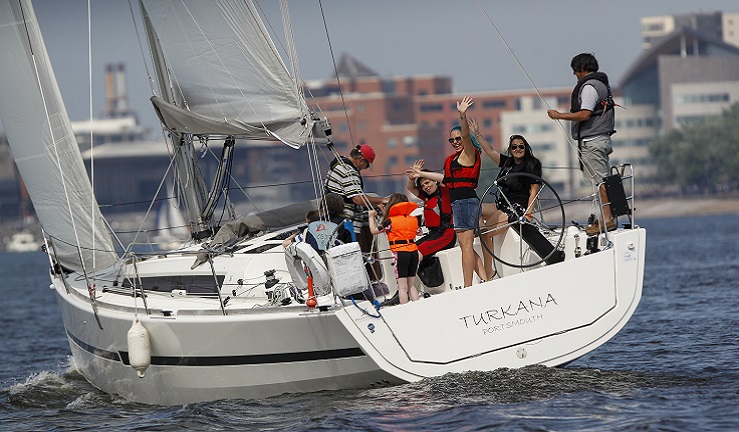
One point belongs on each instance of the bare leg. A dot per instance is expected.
(412, 288)
(604, 199)
(493, 218)
(480, 268)
(403, 290)
(466, 239)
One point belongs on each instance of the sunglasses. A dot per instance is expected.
(455, 139)
(519, 146)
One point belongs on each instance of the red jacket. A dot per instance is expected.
(461, 176)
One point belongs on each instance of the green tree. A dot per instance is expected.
(704, 154)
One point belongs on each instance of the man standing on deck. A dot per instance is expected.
(593, 121)
(345, 179)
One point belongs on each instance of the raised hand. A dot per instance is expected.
(474, 128)
(462, 105)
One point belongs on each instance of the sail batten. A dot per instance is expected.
(221, 72)
(44, 146)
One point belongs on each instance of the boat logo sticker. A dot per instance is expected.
(371, 327)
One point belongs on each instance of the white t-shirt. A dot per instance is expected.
(588, 98)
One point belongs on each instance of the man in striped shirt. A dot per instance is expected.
(345, 179)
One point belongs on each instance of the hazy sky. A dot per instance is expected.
(393, 37)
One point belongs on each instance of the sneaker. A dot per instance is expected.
(594, 229)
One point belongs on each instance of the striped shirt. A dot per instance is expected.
(344, 179)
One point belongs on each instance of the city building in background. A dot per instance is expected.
(723, 26)
(689, 70)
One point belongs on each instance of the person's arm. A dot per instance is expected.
(469, 155)
(486, 147)
(287, 241)
(589, 98)
(416, 173)
(579, 116)
(411, 185)
(373, 223)
(533, 192)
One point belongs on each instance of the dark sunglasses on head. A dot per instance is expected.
(519, 146)
(457, 139)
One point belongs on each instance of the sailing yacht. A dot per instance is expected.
(235, 314)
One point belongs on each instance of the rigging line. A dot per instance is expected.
(54, 141)
(238, 185)
(336, 73)
(215, 52)
(293, 54)
(318, 188)
(559, 122)
(92, 151)
(141, 48)
(297, 78)
(151, 205)
(190, 43)
(505, 42)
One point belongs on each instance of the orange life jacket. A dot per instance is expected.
(402, 233)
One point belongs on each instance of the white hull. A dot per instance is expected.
(200, 354)
(258, 350)
(205, 358)
(549, 316)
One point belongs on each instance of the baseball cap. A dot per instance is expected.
(368, 153)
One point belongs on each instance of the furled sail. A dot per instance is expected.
(220, 73)
(43, 145)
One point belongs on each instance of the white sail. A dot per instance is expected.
(221, 73)
(44, 146)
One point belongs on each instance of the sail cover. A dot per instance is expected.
(220, 73)
(43, 145)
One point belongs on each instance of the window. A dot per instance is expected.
(495, 103)
(409, 141)
(487, 123)
(432, 108)
(392, 142)
(524, 129)
(701, 98)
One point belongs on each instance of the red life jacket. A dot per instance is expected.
(402, 232)
(437, 210)
(461, 176)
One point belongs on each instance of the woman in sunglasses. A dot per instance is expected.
(461, 174)
(518, 194)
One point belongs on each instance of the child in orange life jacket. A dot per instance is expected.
(401, 228)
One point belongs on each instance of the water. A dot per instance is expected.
(673, 367)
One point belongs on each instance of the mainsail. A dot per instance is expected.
(43, 145)
(220, 73)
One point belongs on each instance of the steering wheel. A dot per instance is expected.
(548, 218)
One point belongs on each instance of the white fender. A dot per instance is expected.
(297, 255)
(139, 348)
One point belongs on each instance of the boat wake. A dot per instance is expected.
(55, 390)
(538, 382)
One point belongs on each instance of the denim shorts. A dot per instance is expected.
(464, 212)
